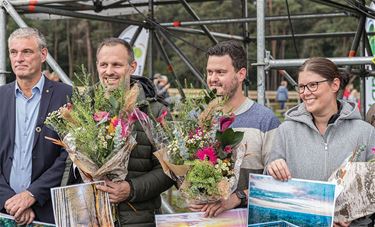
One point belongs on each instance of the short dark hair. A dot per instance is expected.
(232, 48)
(325, 68)
(116, 41)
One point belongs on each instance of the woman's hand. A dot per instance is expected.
(279, 170)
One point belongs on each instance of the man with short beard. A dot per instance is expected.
(226, 72)
(138, 195)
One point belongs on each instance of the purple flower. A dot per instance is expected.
(225, 122)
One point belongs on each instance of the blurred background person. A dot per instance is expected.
(162, 85)
(348, 89)
(282, 94)
(355, 97)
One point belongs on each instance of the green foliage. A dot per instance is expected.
(203, 179)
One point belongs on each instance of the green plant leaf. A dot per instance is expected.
(229, 137)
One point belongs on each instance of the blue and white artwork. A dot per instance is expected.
(294, 203)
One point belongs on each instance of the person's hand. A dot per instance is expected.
(214, 209)
(279, 170)
(118, 191)
(341, 224)
(196, 207)
(27, 217)
(17, 204)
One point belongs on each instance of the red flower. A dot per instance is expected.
(228, 149)
(161, 118)
(225, 122)
(207, 152)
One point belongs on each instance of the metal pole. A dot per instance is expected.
(184, 58)
(271, 37)
(200, 32)
(51, 62)
(50, 10)
(357, 37)
(135, 36)
(260, 50)
(252, 19)
(196, 17)
(170, 67)
(166, 207)
(246, 46)
(362, 90)
(277, 64)
(39, 2)
(150, 40)
(3, 30)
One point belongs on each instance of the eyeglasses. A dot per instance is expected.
(312, 86)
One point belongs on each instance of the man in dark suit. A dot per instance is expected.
(30, 165)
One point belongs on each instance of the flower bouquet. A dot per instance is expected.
(96, 130)
(355, 196)
(200, 151)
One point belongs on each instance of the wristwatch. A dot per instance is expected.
(242, 196)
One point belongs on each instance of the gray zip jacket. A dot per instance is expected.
(312, 156)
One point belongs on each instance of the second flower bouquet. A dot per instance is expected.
(200, 151)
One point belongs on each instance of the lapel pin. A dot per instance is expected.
(38, 129)
(47, 91)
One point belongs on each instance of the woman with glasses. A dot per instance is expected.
(320, 133)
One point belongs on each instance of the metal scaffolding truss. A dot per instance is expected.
(106, 10)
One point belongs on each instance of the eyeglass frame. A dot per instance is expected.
(307, 86)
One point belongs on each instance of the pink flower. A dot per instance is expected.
(161, 118)
(207, 152)
(124, 128)
(373, 150)
(137, 115)
(198, 131)
(228, 149)
(225, 122)
(101, 116)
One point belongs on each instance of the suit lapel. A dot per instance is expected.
(12, 114)
(43, 108)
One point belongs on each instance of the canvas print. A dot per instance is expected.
(81, 205)
(233, 218)
(296, 202)
(8, 221)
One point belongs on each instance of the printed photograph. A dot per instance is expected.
(81, 205)
(8, 221)
(293, 203)
(233, 218)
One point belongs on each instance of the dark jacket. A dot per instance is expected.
(48, 160)
(146, 176)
